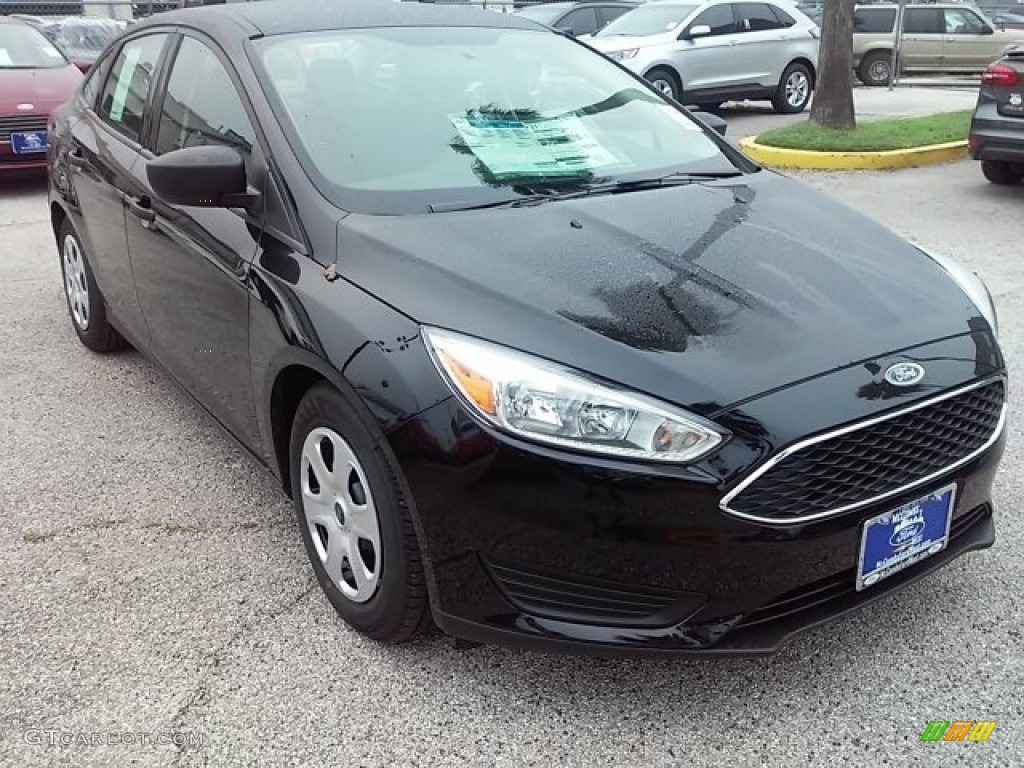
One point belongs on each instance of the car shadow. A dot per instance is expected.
(21, 183)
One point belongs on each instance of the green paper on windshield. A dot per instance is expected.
(533, 147)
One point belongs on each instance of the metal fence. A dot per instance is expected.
(115, 9)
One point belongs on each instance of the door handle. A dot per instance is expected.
(141, 208)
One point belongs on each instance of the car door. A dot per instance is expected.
(191, 264)
(707, 62)
(103, 148)
(761, 51)
(923, 44)
(970, 41)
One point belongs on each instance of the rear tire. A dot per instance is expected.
(794, 91)
(354, 519)
(1001, 172)
(874, 68)
(666, 81)
(86, 306)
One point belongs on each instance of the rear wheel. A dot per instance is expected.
(794, 89)
(354, 518)
(666, 81)
(85, 302)
(874, 68)
(1000, 172)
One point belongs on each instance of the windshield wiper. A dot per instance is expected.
(600, 188)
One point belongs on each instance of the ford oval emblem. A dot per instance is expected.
(906, 534)
(904, 374)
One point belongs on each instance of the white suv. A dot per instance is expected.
(710, 52)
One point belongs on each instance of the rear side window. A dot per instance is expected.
(126, 90)
(784, 18)
(757, 17)
(924, 21)
(610, 13)
(95, 80)
(719, 18)
(874, 21)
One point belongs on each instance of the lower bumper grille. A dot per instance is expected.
(567, 598)
(9, 125)
(857, 466)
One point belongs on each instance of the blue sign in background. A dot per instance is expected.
(910, 529)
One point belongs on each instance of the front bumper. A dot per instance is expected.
(535, 547)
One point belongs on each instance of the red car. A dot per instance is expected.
(35, 79)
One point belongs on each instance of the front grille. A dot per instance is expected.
(841, 585)
(9, 125)
(567, 598)
(875, 461)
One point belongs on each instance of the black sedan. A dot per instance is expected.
(997, 127)
(537, 355)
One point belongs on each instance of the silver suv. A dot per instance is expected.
(710, 52)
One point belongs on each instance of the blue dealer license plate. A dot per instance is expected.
(28, 142)
(901, 537)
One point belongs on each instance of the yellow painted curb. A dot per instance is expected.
(776, 157)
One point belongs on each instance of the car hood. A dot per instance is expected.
(625, 43)
(703, 295)
(46, 89)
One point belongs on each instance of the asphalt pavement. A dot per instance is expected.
(153, 582)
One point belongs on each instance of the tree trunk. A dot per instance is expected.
(833, 93)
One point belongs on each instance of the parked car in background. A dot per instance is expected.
(577, 19)
(705, 53)
(81, 38)
(937, 37)
(1007, 20)
(997, 128)
(35, 79)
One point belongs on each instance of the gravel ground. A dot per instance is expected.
(153, 582)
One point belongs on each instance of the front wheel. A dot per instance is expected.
(1000, 172)
(354, 518)
(665, 81)
(794, 91)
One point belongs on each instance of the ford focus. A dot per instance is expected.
(538, 356)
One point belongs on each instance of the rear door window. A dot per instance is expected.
(126, 91)
(582, 21)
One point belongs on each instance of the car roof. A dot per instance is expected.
(569, 4)
(273, 17)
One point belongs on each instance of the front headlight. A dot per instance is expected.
(971, 284)
(542, 401)
(629, 53)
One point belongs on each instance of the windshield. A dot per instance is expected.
(393, 120)
(23, 47)
(649, 19)
(87, 36)
(544, 13)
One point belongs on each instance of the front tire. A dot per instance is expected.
(666, 81)
(354, 518)
(794, 91)
(1001, 172)
(86, 306)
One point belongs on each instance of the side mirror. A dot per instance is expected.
(567, 31)
(700, 30)
(206, 177)
(714, 122)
